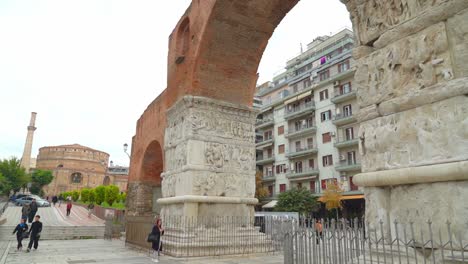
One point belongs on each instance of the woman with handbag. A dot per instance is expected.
(21, 233)
(155, 238)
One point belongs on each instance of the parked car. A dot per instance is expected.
(28, 199)
(17, 196)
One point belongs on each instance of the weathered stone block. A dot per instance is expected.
(457, 32)
(429, 134)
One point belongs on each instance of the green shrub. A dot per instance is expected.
(100, 194)
(92, 196)
(111, 194)
(75, 195)
(85, 195)
(123, 197)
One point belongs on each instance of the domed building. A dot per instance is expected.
(74, 167)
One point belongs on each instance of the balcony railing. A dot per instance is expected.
(346, 142)
(264, 141)
(301, 151)
(264, 122)
(309, 127)
(296, 111)
(348, 165)
(341, 97)
(303, 172)
(342, 119)
(261, 160)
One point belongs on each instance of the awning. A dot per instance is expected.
(346, 197)
(298, 97)
(271, 204)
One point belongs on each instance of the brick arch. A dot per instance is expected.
(152, 165)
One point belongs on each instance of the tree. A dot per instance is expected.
(2, 183)
(297, 200)
(85, 195)
(112, 194)
(92, 196)
(40, 178)
(260, 190)
(123, 197)
(75, 195)
(15, 177)
(100, 194)
(332, 197)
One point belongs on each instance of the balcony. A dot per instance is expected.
(300, 152)
(300, 131)
(341, 119)
(343, 143)
(262, 123)
(348, 165)
(268, 177)
(264, 143)
(303, 109)
(265, 160)
(339, 98)
(302, 174)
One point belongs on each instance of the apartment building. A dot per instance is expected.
(307, 133)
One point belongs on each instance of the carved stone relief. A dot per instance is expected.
(176, 157)
(168, 185)
(229, 157)
(222, 184)
(408, 65)
(371, 18)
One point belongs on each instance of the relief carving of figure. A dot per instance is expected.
(214, 156)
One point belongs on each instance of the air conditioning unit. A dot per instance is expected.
(333, 134)
(342, 157)
(336, 83)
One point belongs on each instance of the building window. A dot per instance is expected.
(269, 152)
(323, 95)
(298, 146)
(310, 143)
(270, 190)
(325, 116)
(351, 157)
(327, 160)
(299, 185)
(345, 88)
(311, 163)
(280, 168)
(324, 75)
(326, 137)
(312, 186)
(294, 87)
(298, 166)
(76, 177)
(269, 171)
(281, 149)
(344, 66)
(307, 83)
(267, 135)
(282, 188)
(347, 111)
(281, 130)
(324, 184)
(349, 133)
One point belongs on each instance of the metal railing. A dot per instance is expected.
(259, 122)
(342, 116)
(343, 241)
(300, 149)
(300, 108)
(293, 129)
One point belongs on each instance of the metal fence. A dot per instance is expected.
(343, 241)
(226, 235)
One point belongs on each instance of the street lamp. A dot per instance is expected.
(125, 147)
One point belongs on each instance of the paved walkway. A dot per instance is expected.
(54, 216)
(107, 252)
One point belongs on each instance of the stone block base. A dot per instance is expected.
(437, 202)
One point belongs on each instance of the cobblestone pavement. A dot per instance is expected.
(107, 252)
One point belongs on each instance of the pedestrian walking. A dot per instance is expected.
(25, 211)
(54, 199)
(90, 209)
(35, 233)
(318, 231)
(33, 211)
(155, 238)
(21, 231)
(69, 206)
(60, 200)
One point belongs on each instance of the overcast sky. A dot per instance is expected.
(89, 68)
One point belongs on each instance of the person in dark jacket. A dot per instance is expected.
(35, 233)
(21, 228)
(54, 199)
(25, 211)
(156, 244)
(33, 211)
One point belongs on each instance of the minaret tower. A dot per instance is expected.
(26, 159)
